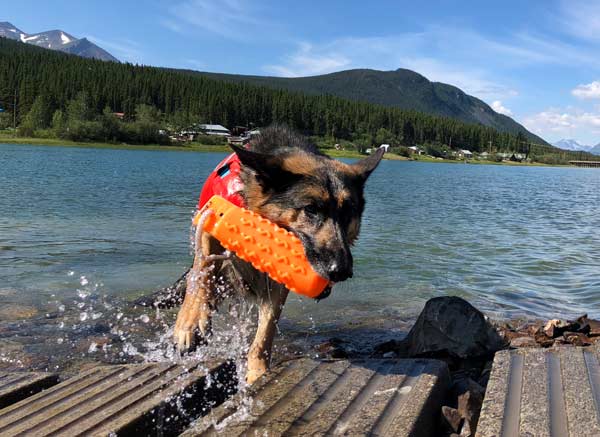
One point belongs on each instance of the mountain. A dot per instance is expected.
(400, 88)
(9, 31)
(57, 40)
(87, 49)
(595, 150)
(570, 144)
(575, 145)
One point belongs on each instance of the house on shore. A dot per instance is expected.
(516, 157)
(464, 154)
(414, 150)
(191, 133)
(511, 156)
(238, 141)
(214, 129)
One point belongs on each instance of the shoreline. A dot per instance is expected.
(203, 148)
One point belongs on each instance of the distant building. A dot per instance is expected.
(464, 154)
(119, 115)
(516, 157)
(214, 129)
(511, 156)
(238, 141)
(188, 134)
(414, 150)
(239, 131)
(484, 155)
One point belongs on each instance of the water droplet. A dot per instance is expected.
(83, 280)
(83, 317)
(61, 308)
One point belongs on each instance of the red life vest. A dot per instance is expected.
(224, 181)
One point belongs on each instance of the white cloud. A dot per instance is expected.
(232, 19)
(569, 122)
(459, 56)
(389, 53)
(501, 109)
(581, 18)
(196, 64)
(123, 49)
(307, 62)
(587, 91)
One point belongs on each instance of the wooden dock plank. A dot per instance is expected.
(147, 399)
(338, 397)
(541, 392)
(19, 385)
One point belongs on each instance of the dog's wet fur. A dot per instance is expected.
(319, 199)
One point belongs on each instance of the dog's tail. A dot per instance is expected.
(167, 297)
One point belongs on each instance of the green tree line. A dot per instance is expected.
(75, 97)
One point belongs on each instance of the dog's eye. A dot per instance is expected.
(311, 210)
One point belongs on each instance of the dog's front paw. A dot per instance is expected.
(184, 338)
(191, 329)
(256, 368)
(185, 329)
(253, 375)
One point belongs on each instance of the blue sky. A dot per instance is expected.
(537, 61)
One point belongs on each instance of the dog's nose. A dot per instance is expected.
(338, 273)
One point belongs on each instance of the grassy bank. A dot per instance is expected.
(483, 162)
(189, 147)
(9, 138)
(195, 147)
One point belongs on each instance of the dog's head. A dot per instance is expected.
(317, 198)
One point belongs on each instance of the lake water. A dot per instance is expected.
(515, 241)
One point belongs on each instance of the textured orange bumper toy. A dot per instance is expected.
(268, 247)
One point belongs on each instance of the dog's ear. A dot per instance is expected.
(365, 166)
(268, 169)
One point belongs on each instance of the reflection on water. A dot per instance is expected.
(514, 240)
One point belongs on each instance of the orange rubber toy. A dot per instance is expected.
(268, 247)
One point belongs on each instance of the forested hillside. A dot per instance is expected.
(76, 98)
(401, 88)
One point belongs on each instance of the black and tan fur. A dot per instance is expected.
(287, 180)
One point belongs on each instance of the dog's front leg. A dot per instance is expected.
(269, 310)
(199, 301)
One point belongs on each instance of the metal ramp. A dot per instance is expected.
(543, 392)
(305, 397)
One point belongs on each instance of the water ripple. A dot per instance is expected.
(514, 240)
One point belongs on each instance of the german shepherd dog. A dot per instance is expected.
(289, 181)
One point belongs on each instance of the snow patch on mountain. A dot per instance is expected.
(571, 144)
(595, 150)
(64, 38)
(57, 40)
